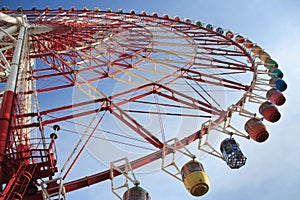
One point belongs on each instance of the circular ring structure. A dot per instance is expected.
(127, 83)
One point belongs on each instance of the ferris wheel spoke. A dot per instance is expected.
(52, 88)
(212, 42)
(235, 60)
(203, 66)
(168, 113)
(56, 61)
(199, 93)
(212, 62)
(187, 100)
(223, 73)
(222, 51)
(216, 53)
(143, 147)
(69, 108)
(135, 126)
(214, 80)
(121, 135)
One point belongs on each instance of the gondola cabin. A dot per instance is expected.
(276, 97)
(248, 44)
(271, 64)
(136, 193)
(220, 30)
(229, 34)
(278, 83)
(194, 178)
(198, 23)
(209, 27)
(239, 39)
(269, 111)
(275, 73)
(257, 50)
(232, 153)
(264, 56)
(256, 130)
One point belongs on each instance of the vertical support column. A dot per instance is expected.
(9, 98)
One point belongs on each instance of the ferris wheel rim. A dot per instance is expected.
(222, 114)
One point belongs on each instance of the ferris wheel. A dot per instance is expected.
(132, 90)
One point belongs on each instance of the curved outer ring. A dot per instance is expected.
(105, 175)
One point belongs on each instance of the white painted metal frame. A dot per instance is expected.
(123, 167)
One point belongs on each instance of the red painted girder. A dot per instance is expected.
(201, 66)
(239, 65)
(39, 70)
(166, 113)
(52, 88)
(135, 126)
(172, 97)
(59, 119)
(218, 81)
(53, 75)
(45, 112)
(221, 50)
(221, 82)
(197, 104)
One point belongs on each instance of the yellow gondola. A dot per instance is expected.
(194, 178)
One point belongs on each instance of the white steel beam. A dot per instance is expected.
(9, 19)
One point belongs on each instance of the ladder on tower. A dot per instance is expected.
(16, 187)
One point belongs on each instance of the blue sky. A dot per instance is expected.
(272, 168)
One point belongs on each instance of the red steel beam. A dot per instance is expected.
(218, 81)
(135, 126)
